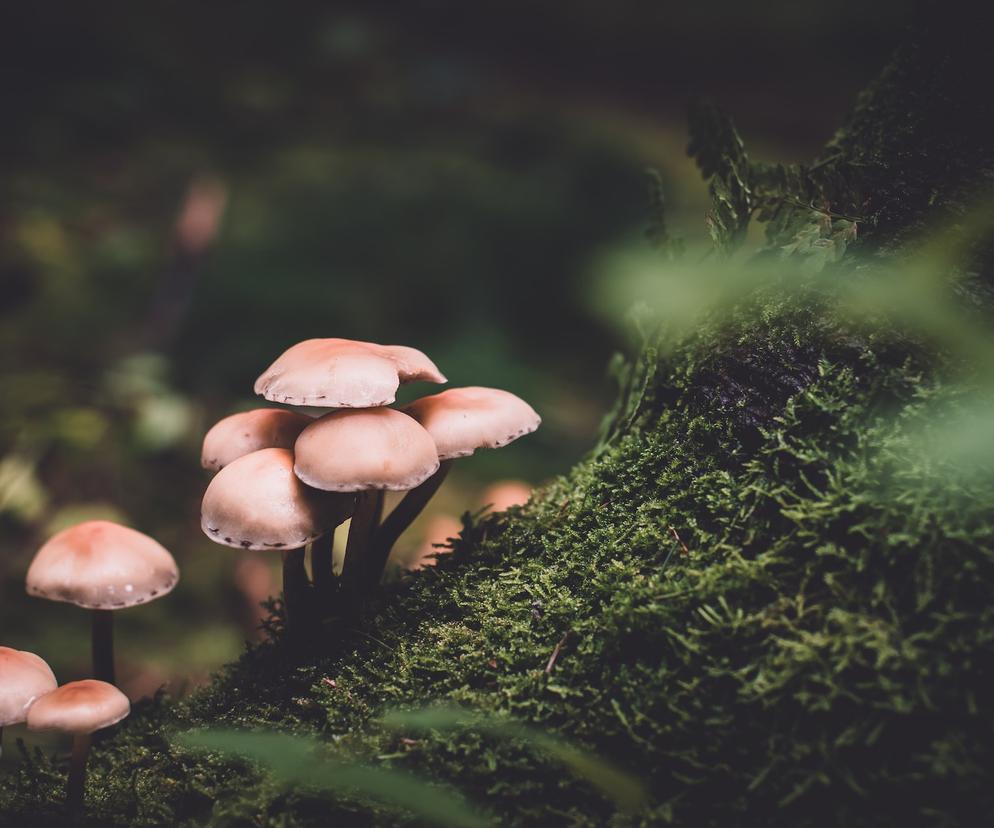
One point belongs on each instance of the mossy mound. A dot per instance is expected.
(797, 633)
(771, 606)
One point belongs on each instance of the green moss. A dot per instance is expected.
(795, 631)
(775, 609)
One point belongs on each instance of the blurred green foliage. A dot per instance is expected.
(624, 789)
(758, 590)
(296, 760)
(423, 174)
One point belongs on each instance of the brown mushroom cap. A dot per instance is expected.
(257, 502)
(249, 431)
(343, 373)
(461, 420)
(370, 448)
(79, 707)
(24, 677)
(102, 565)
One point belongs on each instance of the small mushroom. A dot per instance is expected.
(367, 451)
(257, 502)
(79, 708)
(103, 567)
(460, 421)
(249, 431)
(343, 373)
(24, 677)
(359, 450)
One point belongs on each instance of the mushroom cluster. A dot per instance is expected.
(285, 480)
(102, 567)
(29, 693)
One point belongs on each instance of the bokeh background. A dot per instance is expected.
(186, 189)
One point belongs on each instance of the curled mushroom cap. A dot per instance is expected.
(249, 431)
(102, 565)
(461, 420)
(370, 448)
(257, 502)
(79, 707)
(343, 373)
(24, 677)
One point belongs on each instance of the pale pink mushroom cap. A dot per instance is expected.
(257, 502)
(343, 373)
(462, 420)
(249, 431)
(79, 707)
(370, 448)
(102, 565)
(24, 677)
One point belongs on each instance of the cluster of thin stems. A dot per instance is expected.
(370, 541)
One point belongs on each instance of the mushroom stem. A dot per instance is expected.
(295, 585)
(397, 521)
(322, 567)
(365, 519)
(77, 771)
(102, 643)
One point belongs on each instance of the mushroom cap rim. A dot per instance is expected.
(346, 488)
(134, 601)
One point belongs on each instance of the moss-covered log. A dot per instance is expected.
(757, 605)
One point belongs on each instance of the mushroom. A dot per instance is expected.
(367, 451)
(79, 708)
(103, 567)
(460, 421)
(249, 431)
(257, 502)
(23, 678)
(343, 373)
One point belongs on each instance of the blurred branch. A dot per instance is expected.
(195, 231)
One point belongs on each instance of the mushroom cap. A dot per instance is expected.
(461, 420)
(249, 431)
(101, 565)
(79, 707)
(343, 373)
(369, 448)
(24, 677)
(257, 502)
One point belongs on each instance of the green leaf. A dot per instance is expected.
(297, 760)
(628, 793)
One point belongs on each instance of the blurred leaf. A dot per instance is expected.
(80, 427)
(162, 421)
(21, 492)
(627, 792)
(929, 296)
(138, 375)
(294, 759)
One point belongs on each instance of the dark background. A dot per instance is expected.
(186, 189)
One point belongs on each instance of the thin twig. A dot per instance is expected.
(371, 638)
(683, 547)
(831, 159)
(557, 651)
(822, 210)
